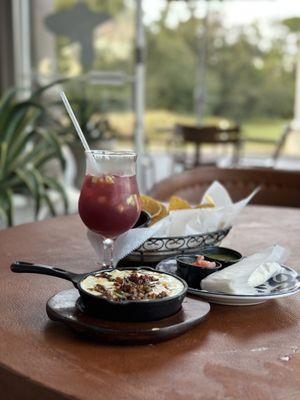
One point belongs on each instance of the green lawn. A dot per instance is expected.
(266, 129)
(155, 120)
(269, 129)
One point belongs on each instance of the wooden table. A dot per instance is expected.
(237, 353)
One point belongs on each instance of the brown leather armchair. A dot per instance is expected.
(278, 187)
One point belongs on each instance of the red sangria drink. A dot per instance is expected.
(109, 202)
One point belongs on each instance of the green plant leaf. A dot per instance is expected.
(9, 195)
(49, 203)
(3, 216)
(39, 189)
(7, 98)
(6, 104)
(3, 207)
(3, 156)
(9, 181)
(6, 204)
(19, 118)
(26, 178)
(19, 144)
(24, 149)
(42, 89)
(29, 158)
(52, 183)
(54, 141)
(41, 162)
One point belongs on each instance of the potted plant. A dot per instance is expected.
(25, 149)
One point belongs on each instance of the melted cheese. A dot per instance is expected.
(167, 283)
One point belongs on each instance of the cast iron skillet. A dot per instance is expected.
(129, 310)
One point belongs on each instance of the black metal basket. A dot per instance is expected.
(156, 249)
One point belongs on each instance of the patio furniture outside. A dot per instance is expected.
(201, 135)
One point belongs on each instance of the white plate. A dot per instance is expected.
(284, 284)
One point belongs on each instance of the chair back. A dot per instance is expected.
(208, 134)
(277, 187)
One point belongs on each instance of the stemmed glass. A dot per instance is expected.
(109, 202)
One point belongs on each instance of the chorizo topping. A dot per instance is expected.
(123, 285)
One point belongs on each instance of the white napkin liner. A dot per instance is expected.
(204, 220)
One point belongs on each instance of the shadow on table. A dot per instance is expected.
(124, 357)
(245, 322)
(57, 331)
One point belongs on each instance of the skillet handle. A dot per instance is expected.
(27, 267)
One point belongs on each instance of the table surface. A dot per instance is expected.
(236, 353)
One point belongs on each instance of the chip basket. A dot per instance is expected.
(156, 249)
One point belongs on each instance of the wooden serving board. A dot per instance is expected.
(65, 307)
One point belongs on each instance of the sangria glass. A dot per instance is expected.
(109, 202)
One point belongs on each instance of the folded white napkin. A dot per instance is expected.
(178, 223)
(245, 275)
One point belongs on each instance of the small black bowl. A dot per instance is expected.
(143, 221)
(223, 255)
(190, 273)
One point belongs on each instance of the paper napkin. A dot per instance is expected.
(243, 276)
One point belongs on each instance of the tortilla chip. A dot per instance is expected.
(208, 202)
(177, 203)
(163, 213)
(150, 205)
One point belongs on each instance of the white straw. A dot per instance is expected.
(74, 120)
(77, 127)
